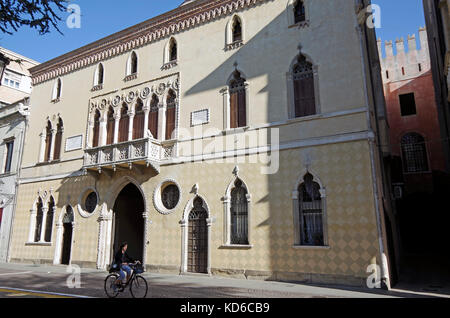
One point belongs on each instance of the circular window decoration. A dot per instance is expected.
(167, 196)
(90, 204)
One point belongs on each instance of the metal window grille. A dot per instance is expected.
(311, 213)
(239, 214)
(414, 153)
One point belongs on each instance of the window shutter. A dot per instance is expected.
(110, 131)
(123, 128)
(138, 125)
(153, 123)
(96, 134)
(305, 102)
(58, 142)
(234, 110)
(170, 122)
(242, 111)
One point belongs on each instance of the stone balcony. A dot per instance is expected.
(141, 153)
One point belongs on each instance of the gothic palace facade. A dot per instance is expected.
(225, 137)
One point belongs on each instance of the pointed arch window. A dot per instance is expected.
(49, 221)
(310, 213)
(239, 214)
(173, 50)
(124, 123)
(299, 11)
(237, 29)
(304, 88)
(153, 116)
(99, 75)
(48, 141)
(57, 88)
(139, 120)
(96, 132)
(414, 152)
(171, 103)
(238, 101)
(58, 139)
(110, 124)
(39, 219)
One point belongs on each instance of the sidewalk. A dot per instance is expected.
(263, 289)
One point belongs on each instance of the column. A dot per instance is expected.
(147, 113)
(226, 220)
(184, 225)
(208, 224)
(42, 149)
(130, 126)
(33, 215)
(52, 145)
(89, 134)
(59, 243)
(102, 133)
(161, 122)
(145, 215)
(226, 107)
(116, 127)
(44, 223)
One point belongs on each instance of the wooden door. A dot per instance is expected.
(198, 241)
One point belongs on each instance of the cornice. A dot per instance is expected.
(180, 19)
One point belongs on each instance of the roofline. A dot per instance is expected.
(20, 56)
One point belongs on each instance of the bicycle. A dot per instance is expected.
(137, 283)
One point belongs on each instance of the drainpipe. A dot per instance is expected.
(385, 282)
(19, 170)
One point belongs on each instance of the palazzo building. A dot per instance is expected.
(226, 137)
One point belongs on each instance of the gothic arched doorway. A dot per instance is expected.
(129, 222)
(66, 250)
(198, 238)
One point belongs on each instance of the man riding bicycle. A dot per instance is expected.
(122, 260)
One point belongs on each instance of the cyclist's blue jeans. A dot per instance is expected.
(123, 269)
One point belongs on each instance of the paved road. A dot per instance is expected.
(31, 281)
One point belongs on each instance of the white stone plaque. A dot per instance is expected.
(74, 143)
(200, 117)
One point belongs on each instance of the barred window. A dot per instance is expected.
(49, 221)
(39, 219)
(304, 95)
(311, 212)
(239, 214)
(414, 153)
(299, 12)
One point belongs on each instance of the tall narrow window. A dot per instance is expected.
(39, 217)
(110, 124)
(304, 95)
(9, 156)
(173, 50)
(153, 116)
(57, 90)
(49, 221)
(237, 29)
(96, 134)
(170, 114)
(134, 63)
(124, 123)
(48, 141)
(58, 140)
(238, 102)
(299, 11)
(139, 121)
(414, 151)
(311, 212)
(239, 214)
(100, 75)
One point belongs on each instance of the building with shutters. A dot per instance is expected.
(15, 90)
(228, 137)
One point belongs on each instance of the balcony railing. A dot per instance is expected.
(146, 151)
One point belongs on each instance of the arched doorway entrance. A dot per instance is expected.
(198, 238)
(64, 237)
(129, 222)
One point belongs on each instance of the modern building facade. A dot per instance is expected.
(241, 138)
(14, 109)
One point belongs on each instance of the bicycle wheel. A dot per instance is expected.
(139, 287)
(110, 283)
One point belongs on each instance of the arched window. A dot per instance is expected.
(153, 116)
(39, 217)
(57, 90)
(170, 114)
(414, 151)
(299, 11)
(124, 123)
(110, 124)
(132, 65)
(96, 133)
(238, 101)
(310, 213)
(99, 75)
(48, 141)
(239, 214)
(139, 120)
(237, 29)
(173, 50)
(49, 221)
(58, 140)
(304, 95)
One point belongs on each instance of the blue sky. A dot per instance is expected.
(101, 18)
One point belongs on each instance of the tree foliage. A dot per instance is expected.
(41, 15)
